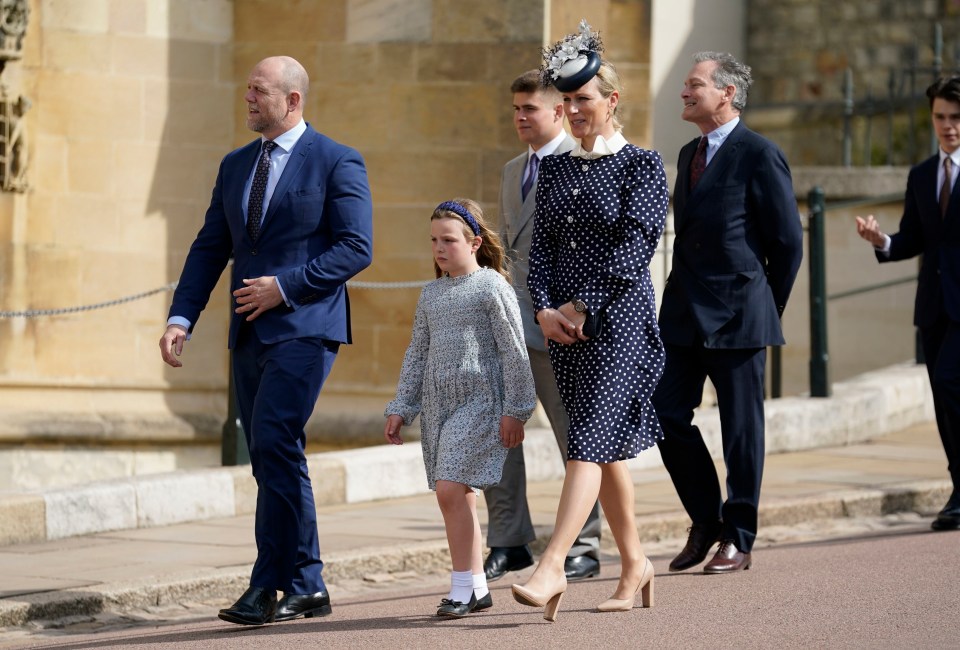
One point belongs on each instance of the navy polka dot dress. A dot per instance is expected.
(595, 232)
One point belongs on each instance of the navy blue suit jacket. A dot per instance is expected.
(922, 231)
(738, 247)
(317, 233)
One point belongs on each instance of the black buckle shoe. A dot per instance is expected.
(257, 606)
(293, 606)
(456, 609)
(580, 568)
(506, 558)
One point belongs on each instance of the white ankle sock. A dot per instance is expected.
(461, 586)
(480, 585)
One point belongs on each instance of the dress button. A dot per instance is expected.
(573, 244)
(253, 252)
(575, 191)
(569, 218)
(584, 166)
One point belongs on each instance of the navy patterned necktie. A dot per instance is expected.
(699, 162)
(258, 190)
(532, 176)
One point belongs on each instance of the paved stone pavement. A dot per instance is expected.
(136, 576)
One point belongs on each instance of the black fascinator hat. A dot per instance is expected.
(572, 61)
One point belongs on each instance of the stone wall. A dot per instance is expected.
(799, 50)
(131, 112)
(134, 103)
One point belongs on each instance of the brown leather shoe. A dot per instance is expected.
(702, 537)
(728, 559)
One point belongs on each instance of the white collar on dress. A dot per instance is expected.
(601, 147)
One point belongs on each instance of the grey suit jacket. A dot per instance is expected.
(516, 231)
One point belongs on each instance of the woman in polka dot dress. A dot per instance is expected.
(600, 212)
(467, 374)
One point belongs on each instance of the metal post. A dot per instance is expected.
(233, 448)
(891, 85)
(847, 117)
(937, 68)
(819, 367)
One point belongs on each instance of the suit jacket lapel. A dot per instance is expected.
(527, 208)
(727, 152)
(233, 192)
(297, 157)
(512, 176)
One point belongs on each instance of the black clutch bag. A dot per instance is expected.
(593, 325)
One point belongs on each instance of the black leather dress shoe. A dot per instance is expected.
(257, 606)
(949, 517)
(580, 568)
(293, 606)
(484, 603)
(455, 608)
(506, 558)
(701, 538)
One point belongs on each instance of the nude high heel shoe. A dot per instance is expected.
(550, 601)
(645, 587)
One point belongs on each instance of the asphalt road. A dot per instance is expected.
(890, 583)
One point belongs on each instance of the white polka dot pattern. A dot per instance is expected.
(596, 230)
(465, 367)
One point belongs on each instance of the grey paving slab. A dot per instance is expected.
(350, 533)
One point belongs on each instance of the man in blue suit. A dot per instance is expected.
(930, 226)
(736, 254)
(293, 209)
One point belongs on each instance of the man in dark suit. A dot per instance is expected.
(737, 250)
(930, 226)
(293, 209)
(538, 118)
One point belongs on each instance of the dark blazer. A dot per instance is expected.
(922, 231)
(317, 233)
(738, 247)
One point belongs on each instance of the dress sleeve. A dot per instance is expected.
(520, 397)
(541, 257)
(410, 386)
(643, 214)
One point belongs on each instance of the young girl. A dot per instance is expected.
(466, 372)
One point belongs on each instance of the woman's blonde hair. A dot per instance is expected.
(608, 81)
(491, 251)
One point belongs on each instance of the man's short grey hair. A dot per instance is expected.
(729, 72)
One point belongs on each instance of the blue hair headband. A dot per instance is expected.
(463, 213)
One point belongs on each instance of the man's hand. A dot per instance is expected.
(171, 344)
(392, 430)
(511, 431)
(557, 327)
(869, 229)
(258, 296)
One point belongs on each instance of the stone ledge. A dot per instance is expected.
(870, 405)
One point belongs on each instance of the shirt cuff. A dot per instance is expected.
(181, 321)
(282, 293)
(885, 249)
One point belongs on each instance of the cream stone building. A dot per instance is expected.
(114, 116)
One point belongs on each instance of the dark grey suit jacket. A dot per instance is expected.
(516, 231)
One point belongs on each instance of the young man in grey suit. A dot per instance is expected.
(538, 118)
(737, 250)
